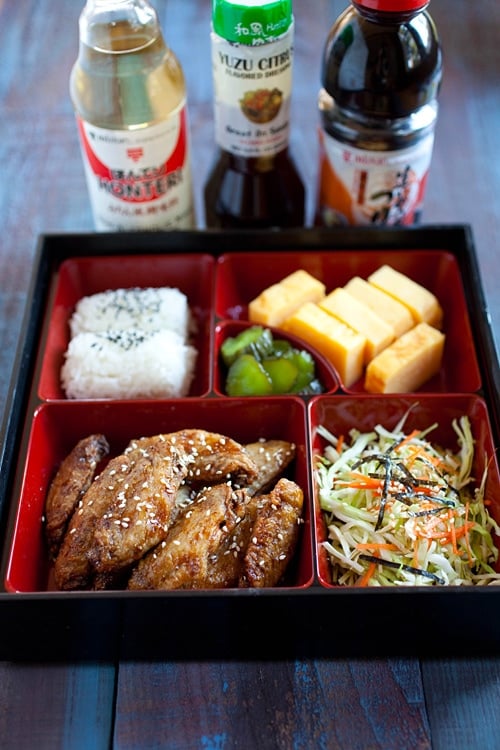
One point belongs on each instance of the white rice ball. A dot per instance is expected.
(128, 364)
(146, 309)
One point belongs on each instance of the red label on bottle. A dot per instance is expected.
(136, 185)
(147, 167)
(372, 187)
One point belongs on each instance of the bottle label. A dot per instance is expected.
(139, 179)
(361, 187)
(252, 87)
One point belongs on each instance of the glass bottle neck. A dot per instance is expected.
(389, 17)
(102, 24)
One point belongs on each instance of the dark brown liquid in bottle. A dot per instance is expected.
(381, 73)
(258, 193)
(387, 67)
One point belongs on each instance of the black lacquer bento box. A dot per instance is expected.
(220, 272)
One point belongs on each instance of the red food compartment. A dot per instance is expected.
(363, 412)
(58, 426)
(242, 276)
(324, 371)
(192, 274)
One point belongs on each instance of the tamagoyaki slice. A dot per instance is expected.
(386, 307)
(361, 318)
(422, 303)
(339, 343)
(408, 362)
(276, 303)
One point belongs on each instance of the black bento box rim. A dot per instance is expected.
(89, 625)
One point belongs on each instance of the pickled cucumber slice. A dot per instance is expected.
(305, 365)
(259, 364)
(247, 377)
(255, 340)
(283, 373)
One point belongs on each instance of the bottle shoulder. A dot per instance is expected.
(130, 89)
(254, 192)
(254, 165)
(383, 69)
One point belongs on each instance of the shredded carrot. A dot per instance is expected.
(424, 490)
(464, 531)
(340, 443)
(364, 477)
(467, 540)
(370, 484)
(410, 494)
(446, 535)
(408, 438)
(413, 453)
(420, 451)
(415, 553)
(453, 533)
(361, 481)
(364, 580)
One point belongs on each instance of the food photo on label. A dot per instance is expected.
(262, 105)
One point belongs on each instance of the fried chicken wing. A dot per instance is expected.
(129, 509)
(132, 525)
(72, 480)
(274, 536)
(200, 550)
(226, 563)
(271, 458)
(73, 567)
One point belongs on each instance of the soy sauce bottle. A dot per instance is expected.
(381, 74)
(253, 182)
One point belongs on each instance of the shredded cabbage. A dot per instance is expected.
(402, 511)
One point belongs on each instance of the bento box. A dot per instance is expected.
(220, 273)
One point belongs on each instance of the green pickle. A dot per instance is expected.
(247, 377)
(260, 365)
(304, 363)
(255, 340)
(280, 346)
(283, 373)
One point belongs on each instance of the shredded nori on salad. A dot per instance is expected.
(401, 566)
(402, 511)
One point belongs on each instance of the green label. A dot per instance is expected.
(252, 95)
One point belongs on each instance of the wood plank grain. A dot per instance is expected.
(51, 706)
(294, 704)
(462, 699)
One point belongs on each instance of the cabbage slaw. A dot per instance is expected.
(402, 511)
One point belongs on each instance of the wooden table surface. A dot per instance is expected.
(298, 703)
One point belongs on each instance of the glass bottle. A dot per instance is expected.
(253, 182)
(381, 73)
(129, 95)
